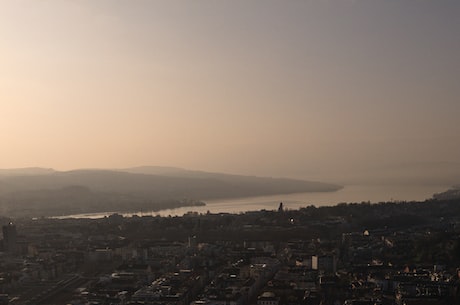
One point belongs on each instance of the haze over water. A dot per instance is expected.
(338, 91)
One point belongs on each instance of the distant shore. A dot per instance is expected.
(350, 194)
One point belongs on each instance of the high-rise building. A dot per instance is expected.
(9, 237)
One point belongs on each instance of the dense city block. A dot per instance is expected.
(386, 253)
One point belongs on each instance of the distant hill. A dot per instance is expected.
(45, 192)
(165, 171)
(452, 194)
(27, 171)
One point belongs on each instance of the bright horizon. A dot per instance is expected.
(314, 89)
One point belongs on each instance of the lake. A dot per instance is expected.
(353, 193)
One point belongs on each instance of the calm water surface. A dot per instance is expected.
(293, 201)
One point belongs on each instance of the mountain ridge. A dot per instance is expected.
(149, 187)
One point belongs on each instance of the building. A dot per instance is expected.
(324, 263)
(10, 243)
(268, 298)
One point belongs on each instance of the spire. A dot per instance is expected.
(280, 208)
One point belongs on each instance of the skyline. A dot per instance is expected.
(309, 89)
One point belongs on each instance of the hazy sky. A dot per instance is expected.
(289, 88)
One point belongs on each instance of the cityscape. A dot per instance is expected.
(231, 152)
(385, 253)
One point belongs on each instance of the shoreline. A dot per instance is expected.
(349, 194)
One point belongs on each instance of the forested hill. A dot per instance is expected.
(44, 192)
